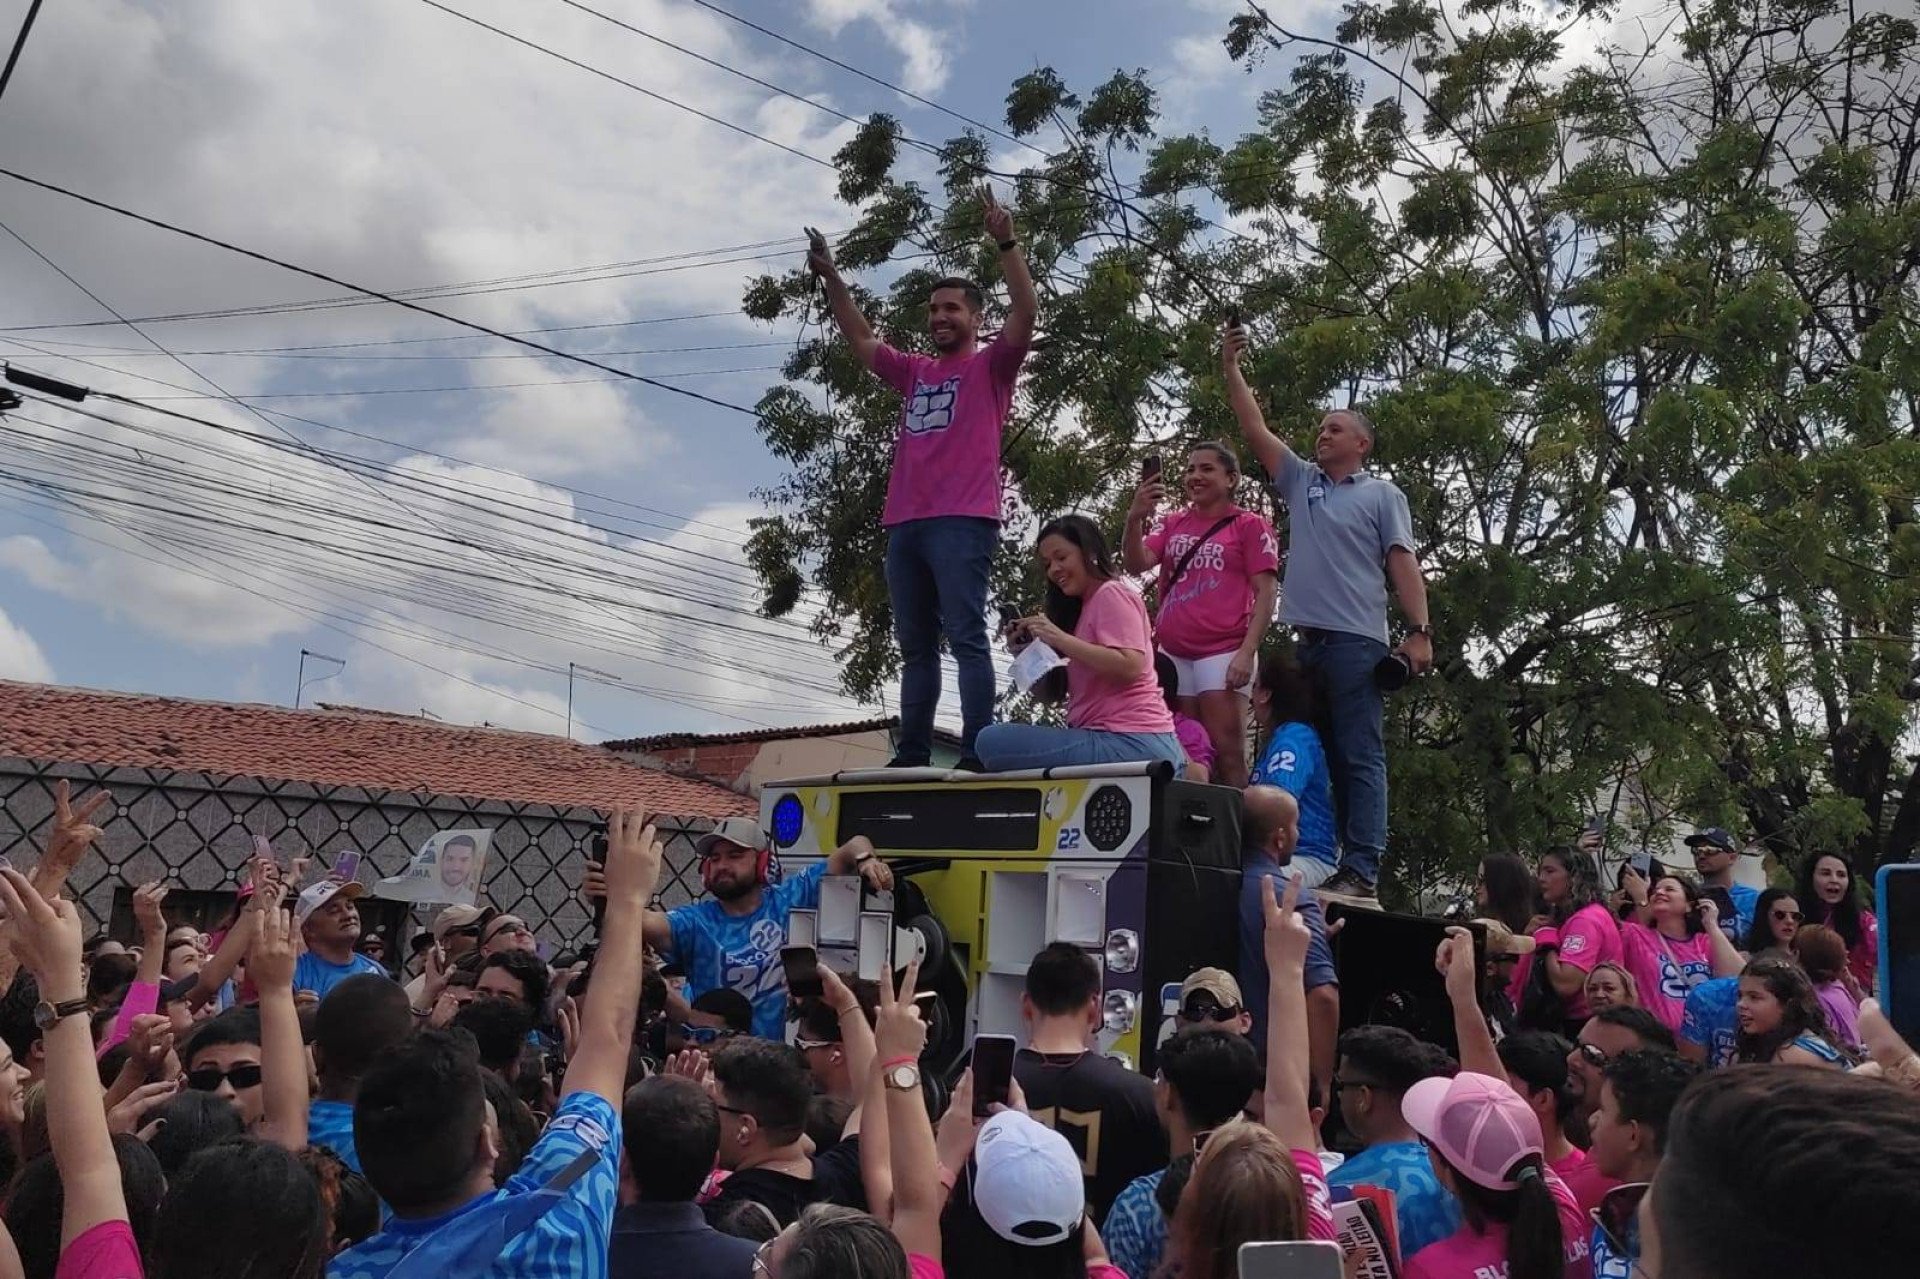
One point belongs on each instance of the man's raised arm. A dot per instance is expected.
(846, 314)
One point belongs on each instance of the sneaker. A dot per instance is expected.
(1348, 887)
(969, 764)
(898, 762)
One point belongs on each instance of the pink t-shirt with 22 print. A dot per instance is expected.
(946, 455)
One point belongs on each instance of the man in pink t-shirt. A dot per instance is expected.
(943, 494)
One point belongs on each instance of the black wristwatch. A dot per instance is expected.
(46, 1016)
(1422, 628)
(1007, 246)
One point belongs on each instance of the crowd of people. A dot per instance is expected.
(1633, 1095)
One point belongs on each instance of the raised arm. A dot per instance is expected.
(655, 927)
(899, 1037)
(858, 857)
(599, 1065)
(1023, 303)
(1134, 551)
(283, 1057)
(47, 938)
(1268, 447)
(1455, 962)
(856, 1037)
(852, 324)
(72, 834)
(1727, 961)
(1289, 1063)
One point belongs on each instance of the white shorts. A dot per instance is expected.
(1201, 674)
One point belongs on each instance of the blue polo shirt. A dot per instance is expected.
(1338, 536)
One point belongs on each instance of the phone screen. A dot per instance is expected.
(992, 1072)
(803, 972)
(346, 866)
(1291, 1259)
(1150, 468)
(1900, 943)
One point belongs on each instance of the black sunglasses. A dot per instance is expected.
(1593, 1056)
(1791, 916)
(207, 1078)
(1207, 1010)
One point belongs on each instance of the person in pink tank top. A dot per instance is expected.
(1219, 567)
(943, 494)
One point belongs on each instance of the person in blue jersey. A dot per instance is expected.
(1710, 1022)
(1287, 706)
(357, 1021)
(731, 940)
(330, 924)
(428, 1141)
(1378, 1064)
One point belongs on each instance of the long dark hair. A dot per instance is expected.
(1800, 1011)
(1760, 932)
(1536, 1245)
(1294, 696)
(244, 1180)
(1690, 889)
(1061, 609)
(1510, 889)
(1844, 917)
(1583, 881)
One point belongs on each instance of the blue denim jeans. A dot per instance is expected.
(937, 571)
(1008, 748)
(1357, 745)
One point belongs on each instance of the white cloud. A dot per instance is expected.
(20, 656)
(922, 45)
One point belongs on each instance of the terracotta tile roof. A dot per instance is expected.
(339, 747)
(678, 741)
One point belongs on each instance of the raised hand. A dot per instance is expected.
(997, 217)
(276, 949)
(567, 1017)
(73, 830)
(127, 1116)
(1287, 934)
(45, 936)
(149, 1040)
(819, 256)
(634, 856)
(146, 908)
(1455, 962)
(897, 1029)
(689, 1063)
(1233, 344)
(1147, 499)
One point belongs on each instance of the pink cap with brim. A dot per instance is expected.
(1479, 1124)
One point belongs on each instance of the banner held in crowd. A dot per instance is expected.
(448, 869)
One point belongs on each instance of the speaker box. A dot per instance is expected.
(1192, 895)
(1387, 975)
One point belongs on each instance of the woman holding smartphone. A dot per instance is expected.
(1219, 571)
(1098, 624)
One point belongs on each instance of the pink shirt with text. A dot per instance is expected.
(1313, 1180)
(1114, 617)
(1471, 1254)
(1665, 968)
(946, 455)
(1589, 939)
(1210, 609)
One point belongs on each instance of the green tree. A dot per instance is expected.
(1636, 320)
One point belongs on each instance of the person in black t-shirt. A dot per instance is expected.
(1104, 1110)
(764, 1090)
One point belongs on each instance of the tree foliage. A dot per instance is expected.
(1637, 323)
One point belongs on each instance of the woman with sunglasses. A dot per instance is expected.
(1780, 1018)
(1673, 943)
(1776, 917)
(1828, 894)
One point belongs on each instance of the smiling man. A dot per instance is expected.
(1349, 536)
(330, 924)
(943, 495)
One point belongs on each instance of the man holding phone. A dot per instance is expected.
(732, 939)
(1350, 537)
(943, 496)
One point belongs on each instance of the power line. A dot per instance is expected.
(355, 392)
(284, 265)
(868, 76)
(19, 43)
(637, 88)
(292, 353)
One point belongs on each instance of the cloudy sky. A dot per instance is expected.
(457, 547)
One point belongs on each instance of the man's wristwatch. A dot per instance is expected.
(1421, 628)
(46, 1016)
(904, 1076)
(1008, 246)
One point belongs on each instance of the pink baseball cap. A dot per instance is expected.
(1478, 1123)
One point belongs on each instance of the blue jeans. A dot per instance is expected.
(1343, 665)
(937, 572)
(1008, 748)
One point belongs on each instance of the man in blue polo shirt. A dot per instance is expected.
(1714, 856)
(1349, 536)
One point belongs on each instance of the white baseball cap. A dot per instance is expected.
(1027, 1183)
(743, 831)
(314, 896)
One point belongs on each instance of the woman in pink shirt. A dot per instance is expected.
(1219, 572)
(1576, 936)
(1484, 1142)
(1673, 942)
(1827, 894)
(1098, 624)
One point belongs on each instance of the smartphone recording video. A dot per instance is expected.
(992, 1072)
(803, 972)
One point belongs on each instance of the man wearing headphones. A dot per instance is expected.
(732, 938)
